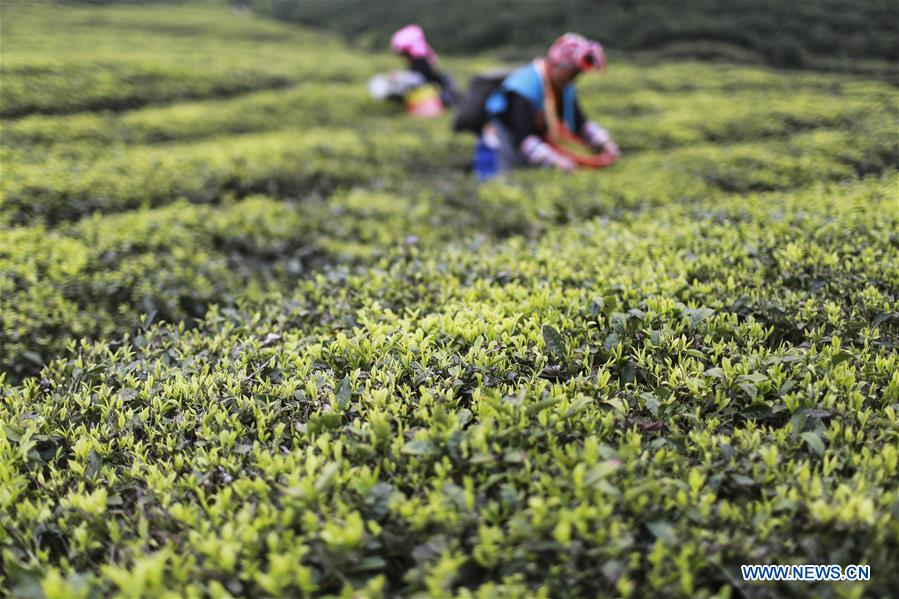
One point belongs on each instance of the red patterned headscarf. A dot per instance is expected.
(573, 50)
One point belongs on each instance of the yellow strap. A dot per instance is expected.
(550, 114)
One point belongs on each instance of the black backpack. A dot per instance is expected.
(471, 115)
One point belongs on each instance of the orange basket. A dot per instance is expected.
(576, 150)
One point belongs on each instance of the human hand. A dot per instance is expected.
(611, 148)
(564, 164)
(607, 147)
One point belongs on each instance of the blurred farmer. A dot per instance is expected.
(410, 43)
(535, 110)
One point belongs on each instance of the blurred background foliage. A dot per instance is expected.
(845, 35)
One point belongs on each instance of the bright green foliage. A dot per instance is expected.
(130, 56)
(282, 346)
(67, 87)
(294, 162)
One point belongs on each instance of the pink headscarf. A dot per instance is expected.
(575, 50)
(411, 40)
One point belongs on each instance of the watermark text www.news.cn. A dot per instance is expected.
(805, 572)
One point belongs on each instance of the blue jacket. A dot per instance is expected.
(527, 83)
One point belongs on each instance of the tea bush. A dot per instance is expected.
(276, 342)
(294, 162)
(303, 106)
(96, 278)
(597, 402)
(832, 34)
(132, 56)
(48, 87)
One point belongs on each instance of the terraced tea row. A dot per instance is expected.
(288, 163)
(320, 160)
(643, 118)
(135, 56)
(532, 206)
(96, 278)
(605, 409)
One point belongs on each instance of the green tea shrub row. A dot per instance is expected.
(319, 160)
(645, 119)
(202, 172)
(645, 109)
(101, 276)
(532, 202)
(288, 163)
(529, 205)
(133, 56)
(306, 106)
(832, 33)
(96, 278)
(593, 412)
(66, 87)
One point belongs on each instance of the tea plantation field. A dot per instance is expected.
(262, 336)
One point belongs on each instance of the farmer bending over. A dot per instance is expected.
(536, 106)
(410, 43)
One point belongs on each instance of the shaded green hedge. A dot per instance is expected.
(65, 87)
(98, 277)
(787, 34)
